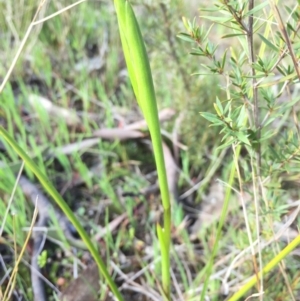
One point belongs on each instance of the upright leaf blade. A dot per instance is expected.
(141, 79)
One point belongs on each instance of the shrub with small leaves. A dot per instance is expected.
(259, 72)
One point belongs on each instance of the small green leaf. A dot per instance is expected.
(198, 51)
(256, 8)
(242, 117)
(42, 259)
(217, 110)
(185, 37)
(226, 144)
(292, 76)
(219, 106)
(228, 105)
(187, 24)
(211, 117)
(224, 59)
(207, 31)
(268, 43)
(243, 138)
(232, 35)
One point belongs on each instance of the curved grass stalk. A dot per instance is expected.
(253, 280)
(65, 208)
(141, 80)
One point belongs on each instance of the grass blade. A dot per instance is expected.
(253, 280)
(65, 208)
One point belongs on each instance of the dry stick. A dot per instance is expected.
(177, 286)
(30, 27)
(21, 47)
(258, 133)
(21, 254)
(250, 33)
(252, 61)
(164, 115)
(38, 28)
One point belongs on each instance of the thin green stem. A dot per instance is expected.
(142, 83)
(287, 250)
